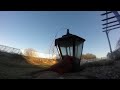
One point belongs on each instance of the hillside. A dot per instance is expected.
(14, 66)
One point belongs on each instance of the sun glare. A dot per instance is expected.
(36, 58)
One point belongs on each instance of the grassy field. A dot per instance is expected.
(17, 67)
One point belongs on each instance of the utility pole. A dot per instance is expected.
(108, 35)
(109, 43)
(110, 27)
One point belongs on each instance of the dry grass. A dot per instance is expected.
(31, 57)
(103, 62)
(13, 66)
(40, 61)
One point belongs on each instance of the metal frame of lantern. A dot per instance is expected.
(70, 40)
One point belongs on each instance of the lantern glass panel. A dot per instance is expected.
(78, 49)
(66, 48)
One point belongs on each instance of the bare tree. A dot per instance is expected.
(116, 52)
(30, 52)
(118, 44)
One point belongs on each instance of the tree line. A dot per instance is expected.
(88, 56)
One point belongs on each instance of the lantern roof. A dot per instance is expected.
(69, 37)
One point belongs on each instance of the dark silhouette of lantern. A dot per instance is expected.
(70, 45)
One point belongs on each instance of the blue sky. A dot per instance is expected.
(37, 29)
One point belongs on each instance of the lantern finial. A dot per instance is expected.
(68, 32)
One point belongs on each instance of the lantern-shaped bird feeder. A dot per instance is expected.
(70, 45)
